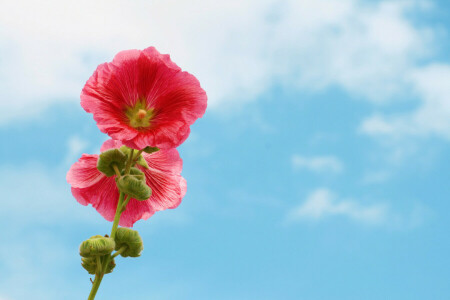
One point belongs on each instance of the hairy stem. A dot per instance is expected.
(137, 156)
(120, 251)
(130, 161)
(119, 210)
(95, 286)
(116, 169)
(99, 276)
(117, 216)
(124, 205)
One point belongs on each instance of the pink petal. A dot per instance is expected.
(90, 186)
(84, 172)
(176, 97)
(163, 177)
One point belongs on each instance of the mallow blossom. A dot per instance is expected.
(144, 99)
(90, 186)
(146, 104)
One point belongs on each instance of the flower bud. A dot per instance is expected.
(96, 246)
(137, 173)
(140, 160)
(130, 238)
(90, 265)
(108, 159)
(134, 187)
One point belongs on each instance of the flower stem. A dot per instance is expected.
(124, 205)
(117, 216)
(137, 155)
(99, 265)
(99, 276)
(95, 286)
(116, 169)
(119, 210)
(118, 252)
(130, 161)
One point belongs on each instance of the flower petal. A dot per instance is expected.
(90, 186)
(110, 144)
(175, 98)
(163, 177)
(103, 196)
(84, 172)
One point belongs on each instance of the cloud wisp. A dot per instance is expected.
(430, 118)
(365, 48)
(322, 204)
(319, 164)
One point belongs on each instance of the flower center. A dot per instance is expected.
(141, 113)
(139, 116)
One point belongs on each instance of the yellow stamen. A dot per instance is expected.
(141, 113)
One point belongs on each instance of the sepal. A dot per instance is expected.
(137, 173)
(90, 265)
(131, 239)
(97, 245)
(133, 186)
(108, 159)
(149, 149)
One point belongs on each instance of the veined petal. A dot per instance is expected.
(148, 83)
(164, 178)
(90, 186)
(103, 196)
(84, 172)
(110, 144)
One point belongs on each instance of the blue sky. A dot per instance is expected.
(320, 170)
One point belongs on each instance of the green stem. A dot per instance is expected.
(117, 216)
(99, 265)
(95, 286)
(118, 252)
(137, 155)
(130, 160)
(124, 205)
(116, 169)
(99, 277)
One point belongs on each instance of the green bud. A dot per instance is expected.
(140, 160)
(130, 238)
(134, 187)
(96, 246)
(137, 173)
(149, 149)
(90, 265)
(108, 159)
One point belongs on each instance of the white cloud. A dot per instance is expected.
(431, 117)
(37, 195)
(321, 203)
(75, 146)
(238, 49)
(317, 163)
(376, 177)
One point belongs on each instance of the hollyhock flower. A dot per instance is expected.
(90, 186)
(144, 99)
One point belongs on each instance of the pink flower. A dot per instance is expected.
(90, 186)
(144, 99)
